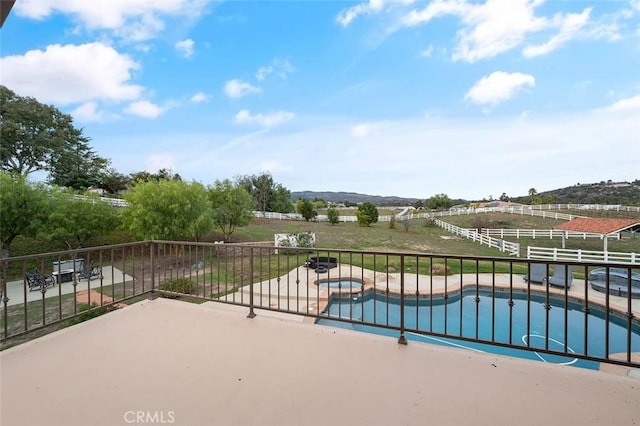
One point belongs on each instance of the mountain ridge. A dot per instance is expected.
(604, 192)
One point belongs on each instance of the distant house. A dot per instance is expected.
(101, 192)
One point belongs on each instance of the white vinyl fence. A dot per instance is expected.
(544, 253)
(505, 246)
(115, 202)
(606, 207)
(542, 233)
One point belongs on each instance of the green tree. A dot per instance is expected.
(145, 176)
(533, 196)
(269, 196)
(38, 137)
(333, 216)
(367, 214)
(439, 202)
(167, 210)
(280, 200)
(76, 219)
(22, 209)
(306, 209)
(232, 206)
(113, 182)
(77, 166)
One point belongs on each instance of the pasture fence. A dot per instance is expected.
(579, 255)
(543, 233)
(505, 246)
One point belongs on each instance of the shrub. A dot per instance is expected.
(392, 222)
(367, 214)
(89, 312)
(333, 216)
(179, 285)
(439, 269)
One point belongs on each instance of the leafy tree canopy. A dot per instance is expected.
(439, 202)
(167, 210)
(22, 208)
(75, 220)
(333, 216)
(269, 196)
(232, 206)
(38, 137)
(306, 209)
(367, 214)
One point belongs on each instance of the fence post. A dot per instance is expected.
(402, 340)
(152, 247)
(251, 313)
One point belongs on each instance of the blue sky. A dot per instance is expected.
(385, 97)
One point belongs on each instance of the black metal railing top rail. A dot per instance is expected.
(566, 312)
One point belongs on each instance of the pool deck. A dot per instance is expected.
(209, 364)
(297, 288)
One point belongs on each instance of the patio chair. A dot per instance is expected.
(89, 273)
(562, 276)
(36, 280)
(537, 273)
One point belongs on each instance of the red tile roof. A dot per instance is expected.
(598, 226)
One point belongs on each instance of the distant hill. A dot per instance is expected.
(625, 193)
(353, 198)
(609, 192)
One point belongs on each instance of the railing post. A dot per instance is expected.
(152, 249)
(251, 313)
(402, 340)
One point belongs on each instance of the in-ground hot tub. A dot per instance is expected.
(617, 282)
(345, 284)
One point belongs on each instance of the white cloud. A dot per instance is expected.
(570, 25)
(132, 19)
(497, 26)
(265, 120)
(435, 9)
(71, 74)
(498, 87)
(185, 47)
(199, 97)
(144, 109)
(87, 112)
(263, 72)
(625, 105)
(427, 52)
(364, 130)
(346, 16)
(280, 67)
(237, 89)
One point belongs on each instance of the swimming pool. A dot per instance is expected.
(496, 319)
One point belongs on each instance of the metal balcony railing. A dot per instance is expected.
(563, 312)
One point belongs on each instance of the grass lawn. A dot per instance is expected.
(422, 237)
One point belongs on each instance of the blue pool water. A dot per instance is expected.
(536, 327)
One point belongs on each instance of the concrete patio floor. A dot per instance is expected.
(171, 362)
